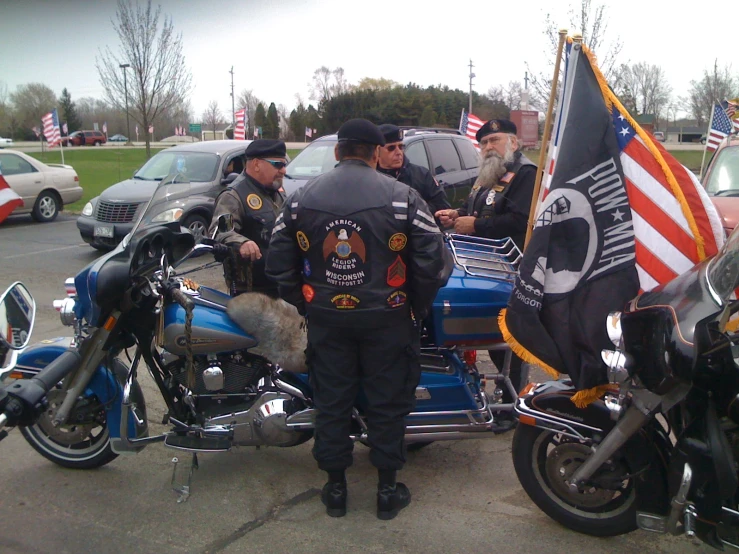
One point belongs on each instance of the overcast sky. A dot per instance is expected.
(274, 46)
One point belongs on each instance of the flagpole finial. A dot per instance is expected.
(577, 37)
(563, 31)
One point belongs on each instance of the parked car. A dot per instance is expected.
(85, 138)
(448, 154)
(107, 218)
(721, 181)
(118, 138)
(44, 188)
(659, 135)
(6, 143)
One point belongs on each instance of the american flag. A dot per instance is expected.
(65, 129)
(240, 129)
(105, 127)
(668, 204)
(308, 132)
(469, 125)
(9, 200)
(36, 132)
(51, 128)
(151, 129)
(721, 127)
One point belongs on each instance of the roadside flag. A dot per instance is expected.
(151, 129)
(137, 132)
(308, 132)
(240, 129)
(105, 127)
(65, 129)
(9, 200)
(469, 124)
(620, 215)
(36, 132)
(314, 131)
(721, 127)
(51, 128)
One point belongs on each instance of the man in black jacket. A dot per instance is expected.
(360, 255)
(254, 200)
(395, 164)
(498, 205)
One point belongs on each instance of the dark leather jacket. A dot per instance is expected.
(420, 179)
(503, 210)
(254, 209)
(355, 248)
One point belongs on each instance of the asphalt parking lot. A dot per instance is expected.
(465, 494)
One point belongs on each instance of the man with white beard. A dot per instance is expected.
(498, 205)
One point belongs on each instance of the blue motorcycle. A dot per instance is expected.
(80, 405)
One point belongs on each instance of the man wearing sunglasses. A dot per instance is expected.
(254, 200)
(394, 163)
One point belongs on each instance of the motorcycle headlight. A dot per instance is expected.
(168, 216)
(613, 324)
(87, 210)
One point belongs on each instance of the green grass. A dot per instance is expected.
(689, 158)
(101, 167)
(97, 168)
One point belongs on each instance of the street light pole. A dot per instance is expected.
(123, 66)
(471, 76)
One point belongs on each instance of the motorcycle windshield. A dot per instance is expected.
(165, 206)
(723, 272)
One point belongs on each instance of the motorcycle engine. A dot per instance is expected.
(231, 373)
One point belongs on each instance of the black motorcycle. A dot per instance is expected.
(658, 451)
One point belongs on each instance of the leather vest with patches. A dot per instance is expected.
(260, 210)
(481, 201)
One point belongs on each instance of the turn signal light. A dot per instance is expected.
(469, 357)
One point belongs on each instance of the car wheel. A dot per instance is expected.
(197, 225)
(97, 143)
(703, 141)
(46, 207)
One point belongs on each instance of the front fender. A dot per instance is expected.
(647, 453)
(106, 384)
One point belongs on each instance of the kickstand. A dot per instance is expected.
(183, 491)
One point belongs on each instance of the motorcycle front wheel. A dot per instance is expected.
(545, 461)
(83, 445)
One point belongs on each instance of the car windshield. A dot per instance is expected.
(173, 191)
(195, 166)
(316, 159)
(724, 175)
(723, 271)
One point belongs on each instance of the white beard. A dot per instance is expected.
(493, 167)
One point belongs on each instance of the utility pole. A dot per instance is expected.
(125, 66)
(233, 109)
(525, 94)
(471, 76)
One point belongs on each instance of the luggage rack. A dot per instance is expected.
(481, 257)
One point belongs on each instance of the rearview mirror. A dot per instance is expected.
(225, 225)
(17, 314)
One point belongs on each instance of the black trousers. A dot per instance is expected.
(498, 358)
(385, 364)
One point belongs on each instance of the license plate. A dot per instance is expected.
(106, 232)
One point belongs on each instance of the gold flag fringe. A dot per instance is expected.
(611, 100)
(584, 398)
(520, 350)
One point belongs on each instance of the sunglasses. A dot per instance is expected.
(275, 164)
(392, 147)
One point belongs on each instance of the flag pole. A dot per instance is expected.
(461, 119)
(61, 149)
(705, 146)
(545, 138)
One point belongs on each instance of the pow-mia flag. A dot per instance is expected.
(618, 215)
(580, 263)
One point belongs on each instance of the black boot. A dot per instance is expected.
(391, 499)
(334, 494)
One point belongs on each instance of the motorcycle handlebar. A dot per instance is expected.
(58, 369)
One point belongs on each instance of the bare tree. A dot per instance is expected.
(714, 86)
(31, 102)
(284, 119)
(644, 88)
(511, 96)
(591, 21)
(328, 83)
(159, 79)
(248, 100)
(340, 84)
(212, 116)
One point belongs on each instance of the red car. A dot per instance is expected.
(85, 138)
(721, 181)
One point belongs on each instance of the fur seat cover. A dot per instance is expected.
(277, 326)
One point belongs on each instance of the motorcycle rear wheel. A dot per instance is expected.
(84, 446)
(543, 463)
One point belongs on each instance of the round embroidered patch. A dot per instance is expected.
(254, 202)
(397, 242)
(491, 198)
(303, 242)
